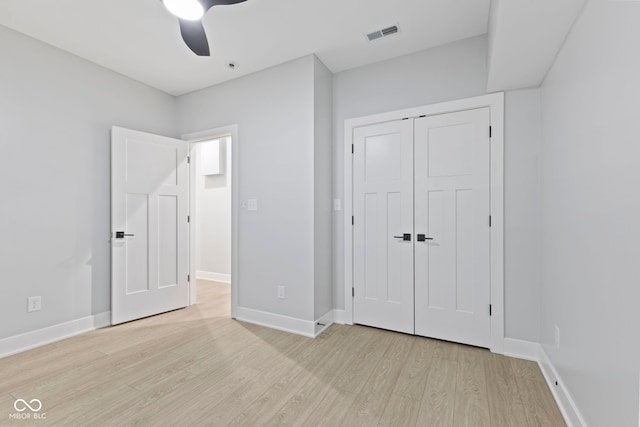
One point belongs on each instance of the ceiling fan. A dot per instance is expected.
(190, 13)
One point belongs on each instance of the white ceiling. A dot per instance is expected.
(140, 39)
(524, 39)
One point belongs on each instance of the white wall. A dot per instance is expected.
(274, 113)
(322, 109)
(590, 168)
(56, 111)
(213, 205)
(522, 243)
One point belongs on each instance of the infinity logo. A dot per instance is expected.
(21, 405)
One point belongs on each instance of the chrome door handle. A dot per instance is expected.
(423, 238)
(122, 235)
(405, 237)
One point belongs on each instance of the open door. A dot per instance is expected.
(149, 224)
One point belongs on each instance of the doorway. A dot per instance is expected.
(213, 195)
(429, 258)
(154, 220)
(213, 210)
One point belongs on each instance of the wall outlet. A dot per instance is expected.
(34, 304)
(252, 205)
(280, 292)
(337, 204)
(556, 336)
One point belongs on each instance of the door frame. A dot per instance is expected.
(194, 138)
(495, 102)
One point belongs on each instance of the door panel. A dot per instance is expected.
(168, 241)
(383, 208)
(149, 200)
(136, 257)
(452, 283)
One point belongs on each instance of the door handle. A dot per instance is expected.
(122, 235)
(423, 238)
(405, 237)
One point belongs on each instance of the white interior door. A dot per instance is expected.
(149, 208)
(452, 282)
(383, 214)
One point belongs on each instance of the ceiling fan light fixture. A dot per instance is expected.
(189, 10)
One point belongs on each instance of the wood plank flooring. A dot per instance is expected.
(198, 367)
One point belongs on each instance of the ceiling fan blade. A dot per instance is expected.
(208, 4)
(195, 37)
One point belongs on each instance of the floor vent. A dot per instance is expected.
(385, 32)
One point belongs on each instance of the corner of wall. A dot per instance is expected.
(534, 351)
(323, 188)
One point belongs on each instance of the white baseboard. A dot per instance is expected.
(277, 321)
(567, 405)
(27, 341)
(323, 322)
(529, 350)
(521, 349)
(286, 323)
(216, 277)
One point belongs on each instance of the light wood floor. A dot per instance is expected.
(196, 366)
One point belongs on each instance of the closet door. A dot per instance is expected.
(452, 283)
(383, 225)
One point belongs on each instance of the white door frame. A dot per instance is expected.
(193, 138)
(495, 102)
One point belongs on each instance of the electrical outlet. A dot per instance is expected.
(337, 204)
(280, 292)
(252, 205)
(34, 304)
(557, 336)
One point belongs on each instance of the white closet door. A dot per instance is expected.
(452, 283)
(149, 205)
(383, 214)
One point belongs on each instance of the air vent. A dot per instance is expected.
(388, 31)
(385, 32)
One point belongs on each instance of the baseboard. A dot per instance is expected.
(529, 350)
(339, 317)
(323, 322)
(216, 277)
(277, 321)
(567, 405)
(27, 341)
(521, 349)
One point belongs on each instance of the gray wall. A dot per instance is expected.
(322, 127)
(274, 113)
(56, 111)
(213, 219)
(522, 243)
(590, 169)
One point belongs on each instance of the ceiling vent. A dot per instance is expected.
(385, 32)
